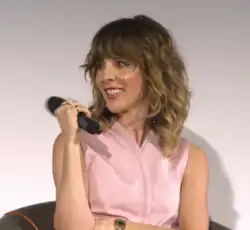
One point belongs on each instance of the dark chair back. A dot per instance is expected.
(37, 216)
(41, 216)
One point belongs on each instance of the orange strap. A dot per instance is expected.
(25, 217)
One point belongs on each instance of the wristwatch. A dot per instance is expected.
(119, 224)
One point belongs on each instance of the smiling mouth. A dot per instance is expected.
(113, 92)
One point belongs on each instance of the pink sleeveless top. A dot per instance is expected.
(132, 182)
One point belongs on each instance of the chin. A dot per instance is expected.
(117, 109)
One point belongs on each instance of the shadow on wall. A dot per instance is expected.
(221, 198)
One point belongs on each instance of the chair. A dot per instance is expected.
(40, 217)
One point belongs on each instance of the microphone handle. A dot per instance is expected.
(88, 124)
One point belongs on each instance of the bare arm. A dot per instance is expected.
(72, 209)
(193, 213)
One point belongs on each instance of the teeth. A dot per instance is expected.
(113, 91)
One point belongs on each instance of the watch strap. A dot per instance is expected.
(120, 224)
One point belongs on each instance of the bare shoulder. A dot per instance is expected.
(197, 160)
(196, 153)
(194, 191)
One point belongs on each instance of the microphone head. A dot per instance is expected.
(53, 103)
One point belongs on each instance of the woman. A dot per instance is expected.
(138, 173)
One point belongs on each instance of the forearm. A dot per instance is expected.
(72, 209)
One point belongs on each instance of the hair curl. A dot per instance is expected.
(148, 44)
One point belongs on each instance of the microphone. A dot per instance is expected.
(84, 122)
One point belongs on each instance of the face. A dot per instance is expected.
(121, 85)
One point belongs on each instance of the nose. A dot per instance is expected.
(109, 71)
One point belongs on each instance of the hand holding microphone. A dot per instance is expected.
(72, 116)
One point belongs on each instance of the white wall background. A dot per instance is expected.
(42, 43)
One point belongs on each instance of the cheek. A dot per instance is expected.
(133, 79)
(134, 85)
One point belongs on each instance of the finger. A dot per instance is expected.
(79, 107)
(67, 104)
(84, 110)
(63, 108)
(73, 103)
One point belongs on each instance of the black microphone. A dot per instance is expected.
(84, 122)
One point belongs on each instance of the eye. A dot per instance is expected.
(121, 63)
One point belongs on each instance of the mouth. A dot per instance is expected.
(113, 92)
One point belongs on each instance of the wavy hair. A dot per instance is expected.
(149, 45)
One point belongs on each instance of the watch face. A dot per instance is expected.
(120, 224)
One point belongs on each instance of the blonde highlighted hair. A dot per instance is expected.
(146, 43)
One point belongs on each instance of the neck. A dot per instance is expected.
(134, 119)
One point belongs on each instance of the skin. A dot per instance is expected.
(131, 107)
